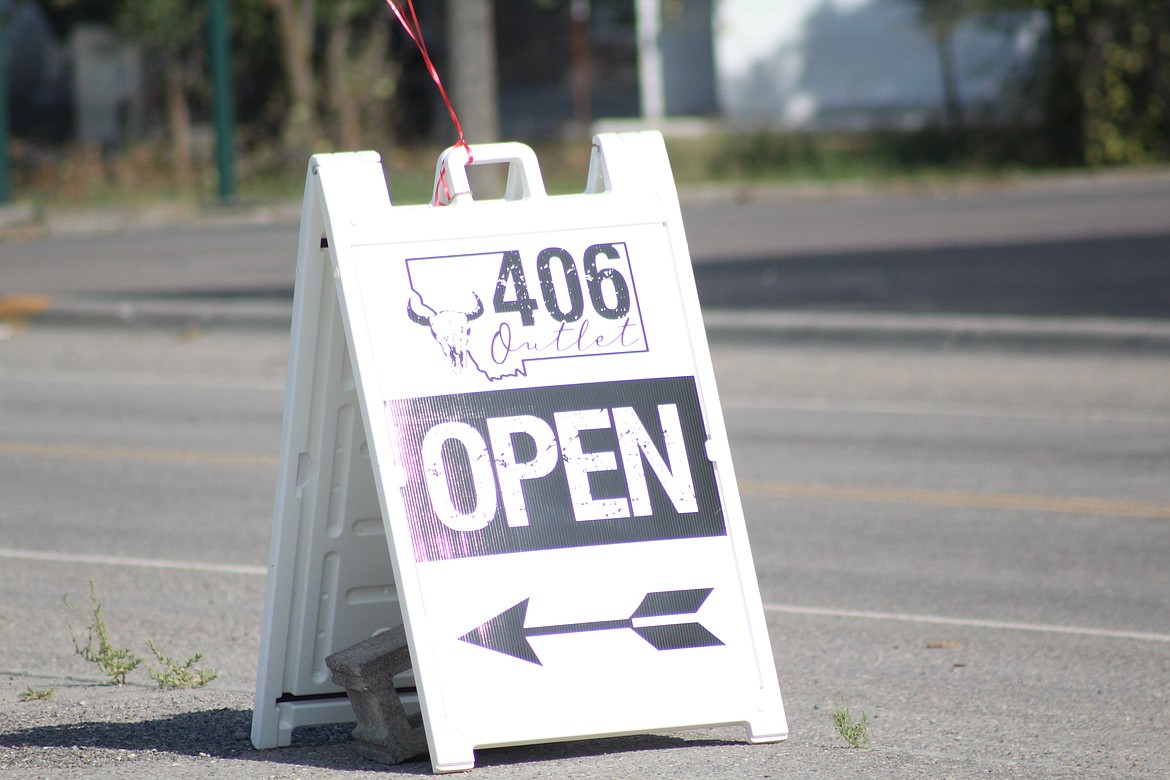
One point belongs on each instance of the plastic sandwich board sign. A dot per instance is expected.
(502, 431)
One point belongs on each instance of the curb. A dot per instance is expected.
(939, 330)
(812, 327)
(166, 312)
(24, 220)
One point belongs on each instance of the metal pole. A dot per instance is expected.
(5, 168)
(221, 92)
(650, 75)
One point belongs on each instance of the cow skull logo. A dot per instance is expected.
(449, 328)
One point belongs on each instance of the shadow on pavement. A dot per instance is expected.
(1115, 277)
(220, 733)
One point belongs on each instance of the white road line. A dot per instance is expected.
(964, 622)
(1078, 505)
(107, 453)
(140, 380)
(259, 571)
(137, 563)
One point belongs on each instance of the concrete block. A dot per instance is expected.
(366, 670)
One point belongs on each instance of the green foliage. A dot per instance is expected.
(1102, 79)
(172, 25)
(313, 75)
(36, 694)
(1109, 80)
(115, 662)
(179, 675)
(856, 733)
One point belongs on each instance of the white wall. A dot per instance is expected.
(852, 62)
(107, 85)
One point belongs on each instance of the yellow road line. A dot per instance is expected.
(1080, 505)
(89, 452)
(17, 308)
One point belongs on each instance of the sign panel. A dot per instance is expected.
(568, 546)
(330, 583)
(581, 308)
(515, 471)
(539, 307)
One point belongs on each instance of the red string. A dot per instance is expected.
(414, 30)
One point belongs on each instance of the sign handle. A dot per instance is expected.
(524, 179)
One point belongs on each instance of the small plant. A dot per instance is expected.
(36, 694)
(856, 733)
(179, 675)
(116, 662)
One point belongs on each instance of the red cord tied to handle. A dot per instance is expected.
(414, 30)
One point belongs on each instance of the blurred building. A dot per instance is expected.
(864, 63)
(85, 85)
(107, 86)
(38, 76)
(643, 58)
(796, 63)
(575, 63)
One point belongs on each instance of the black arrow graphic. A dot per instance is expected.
(507, 634)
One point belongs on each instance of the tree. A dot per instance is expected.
(941, 17)
(358, 71)
(170, 30)
(1103, 79)
(471, 47)
(338, 91)
(296, 23)
(1107, 80)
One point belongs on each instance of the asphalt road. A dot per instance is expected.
(966, 541)
(969, 545)
(1067, 246)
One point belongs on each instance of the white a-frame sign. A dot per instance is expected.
(502, 430)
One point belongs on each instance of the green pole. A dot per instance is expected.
(5, 168)
(221, 92)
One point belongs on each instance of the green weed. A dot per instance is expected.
(179, 675)
(115, 662)
(856, 733)
(36, 694)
